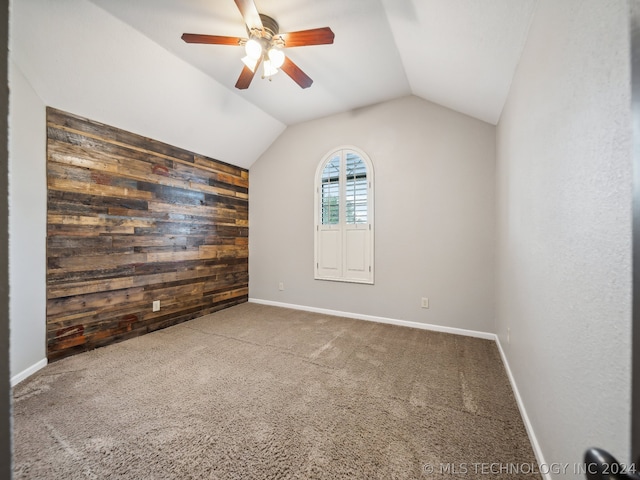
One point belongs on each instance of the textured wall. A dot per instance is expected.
(5, 402)
(434, 214)
(129, 221)
(27, 223)
(564, 177)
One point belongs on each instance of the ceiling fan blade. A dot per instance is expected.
(315, 36)
(210, 39)
(249, 13)
(295, 73)
(244, 80)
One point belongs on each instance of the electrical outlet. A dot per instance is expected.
(425, 302)
(281, 286)
(156, 305)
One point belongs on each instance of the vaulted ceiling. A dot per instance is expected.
(461, 54)
(123, 63)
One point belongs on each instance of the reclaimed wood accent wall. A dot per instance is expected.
(132, 220)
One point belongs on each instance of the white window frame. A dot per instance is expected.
(350, 246)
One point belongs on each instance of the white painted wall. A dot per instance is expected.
(27, 224)
(434, 201)
(564, 228)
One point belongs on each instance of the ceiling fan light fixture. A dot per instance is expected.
(251, 63)
(269, 69)
(276, 56)
(253, 48)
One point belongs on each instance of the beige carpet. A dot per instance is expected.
(263, 392)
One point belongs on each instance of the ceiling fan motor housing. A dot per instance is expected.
(270, 27)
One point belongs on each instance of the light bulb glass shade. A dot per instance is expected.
(277, 57)
(251, 63)
(253, 48)
(269, 69)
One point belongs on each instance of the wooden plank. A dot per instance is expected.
(105, 190)
(173, 256)
(93, 262)
(87, 230)
(89, 243)
(92, 286)
(93, 301)
(96, 204)
(217, 190)
(107, 220)
(223, 251)
(121, 241)
(217, 166)
(202, 210)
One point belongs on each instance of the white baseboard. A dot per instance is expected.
(27, 372)
(437, 328)
(523, 413)
(371, 318)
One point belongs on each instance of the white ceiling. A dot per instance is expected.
(458, 53)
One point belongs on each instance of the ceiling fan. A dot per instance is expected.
(265, 44)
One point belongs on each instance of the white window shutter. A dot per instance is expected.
(329, 248)
(344, 217)
(356, 253)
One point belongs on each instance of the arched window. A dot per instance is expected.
(344, 217)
